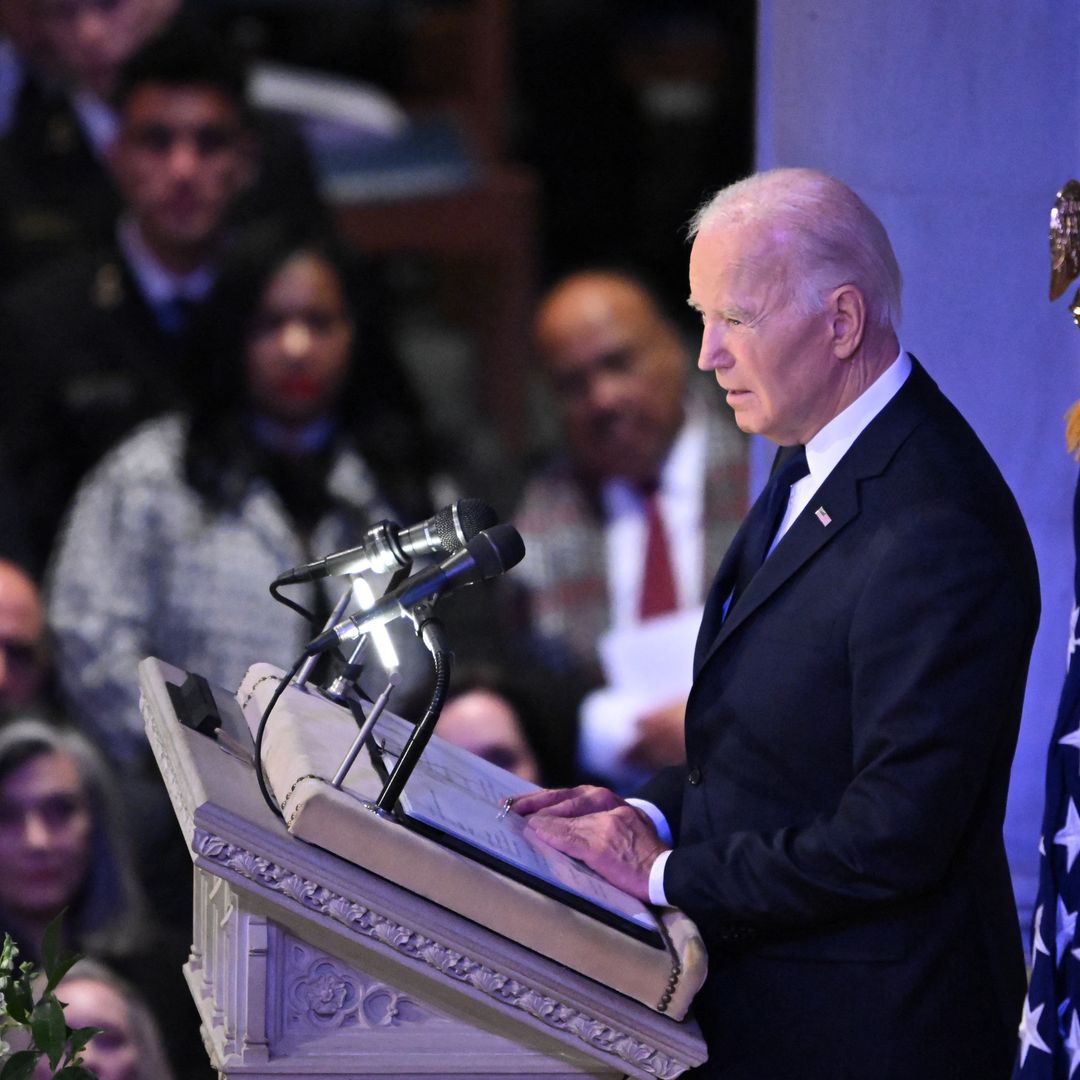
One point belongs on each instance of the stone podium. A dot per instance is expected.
(304, 964)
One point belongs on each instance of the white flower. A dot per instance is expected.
(8, 953)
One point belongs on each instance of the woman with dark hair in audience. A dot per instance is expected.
(291, 449)
(299, 438)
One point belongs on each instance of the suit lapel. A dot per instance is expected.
(723, 583)
(838, 497)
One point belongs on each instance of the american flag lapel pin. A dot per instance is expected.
(822, 515)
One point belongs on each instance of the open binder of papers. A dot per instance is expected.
(457, 797)
(459, 852)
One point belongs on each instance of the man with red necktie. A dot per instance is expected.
(624, 528)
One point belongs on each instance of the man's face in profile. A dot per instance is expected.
(775, 364)
(617, 370)
(182, 158)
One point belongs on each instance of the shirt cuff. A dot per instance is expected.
(656, 816)
(656, 871)
(656, 880)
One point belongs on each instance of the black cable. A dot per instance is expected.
(262, 728)
(398, 576)
(299, 609)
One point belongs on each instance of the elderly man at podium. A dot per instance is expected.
(858, 677)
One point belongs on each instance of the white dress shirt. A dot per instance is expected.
(823, 454)
(681, 498)
(160, 287)
(607, 727)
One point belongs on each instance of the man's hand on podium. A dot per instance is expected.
(598, 827)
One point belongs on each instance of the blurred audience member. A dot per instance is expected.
(89, 41)
(62, 845)
(21, 52)
(485, 716)
(58, 196)
(128, 1046)
(24, 663)
(96, 340)
(58, 193)
(173, 541)
(623, 529)
(287, 454)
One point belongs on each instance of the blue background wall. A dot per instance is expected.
(958, 122)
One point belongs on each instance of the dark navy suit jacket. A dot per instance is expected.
(849, 737)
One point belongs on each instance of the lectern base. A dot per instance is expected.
(306, 965)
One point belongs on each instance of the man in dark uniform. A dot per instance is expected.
(96, 340)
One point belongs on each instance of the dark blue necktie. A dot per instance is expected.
(766, 515)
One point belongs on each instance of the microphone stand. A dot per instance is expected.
(365, 727)
(308, 666)
(431, 632)
(343, 688)
(337, 688)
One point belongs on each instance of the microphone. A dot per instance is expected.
(387, 546)
(485, 556)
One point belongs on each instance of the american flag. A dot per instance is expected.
(1050, 1026)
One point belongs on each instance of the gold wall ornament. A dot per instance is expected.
(1064, 268)
(1065, 241)
(1072, 430)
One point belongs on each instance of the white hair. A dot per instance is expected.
(830, 235)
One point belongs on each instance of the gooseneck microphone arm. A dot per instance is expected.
(431, 633)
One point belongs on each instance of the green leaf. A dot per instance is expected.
(55, 960)
(74, 1072)
(20, 999)
(50, 943)
(20, 1066)
(48, 1028)
(78, 1039)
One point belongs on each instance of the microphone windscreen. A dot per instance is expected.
(507, 548)
(457, 524)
